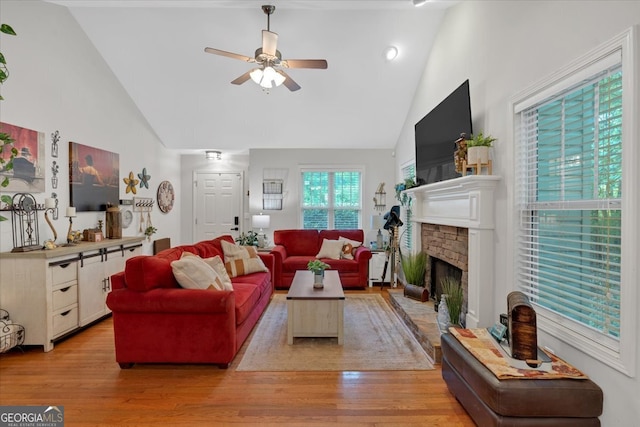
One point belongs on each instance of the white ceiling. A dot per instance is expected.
(156, 50)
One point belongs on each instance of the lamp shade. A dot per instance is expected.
(377, 222)
(260, 221)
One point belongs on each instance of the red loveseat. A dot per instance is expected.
(293, 249)
(157, 321)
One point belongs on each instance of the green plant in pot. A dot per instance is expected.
(478, 148)
(250, 238)
(454, 297)
(414, 268)
(317, 267)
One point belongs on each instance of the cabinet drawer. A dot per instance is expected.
(65, 321)
(65, 296)
(63, 273)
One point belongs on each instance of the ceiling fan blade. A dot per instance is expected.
(243, 78)
(229, 54)
(289, 82)
(305, 63)
(269, 42)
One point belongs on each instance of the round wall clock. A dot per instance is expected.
(127, 218)
(166, 196)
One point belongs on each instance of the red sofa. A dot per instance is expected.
(157, 321)
(293, 249)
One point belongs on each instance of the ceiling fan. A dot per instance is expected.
(269, 59)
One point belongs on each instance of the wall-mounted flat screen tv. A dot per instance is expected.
(436, 134)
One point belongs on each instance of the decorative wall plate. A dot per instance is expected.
(127, 218)
(166, 196)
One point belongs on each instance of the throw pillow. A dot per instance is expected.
(349, 247)
(241, 260)
(218, 265)
(192, 272)
(330, 249)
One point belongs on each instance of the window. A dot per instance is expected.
(570, 180)
(406, 241)
(331, 199)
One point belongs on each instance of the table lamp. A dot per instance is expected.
(377, 222)
(71, 213)
(50, 205)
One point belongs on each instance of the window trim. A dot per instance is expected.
(628, 43)
(331, 169)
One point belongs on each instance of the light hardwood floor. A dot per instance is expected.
(81, 374)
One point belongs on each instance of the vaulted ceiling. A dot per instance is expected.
(156, 50)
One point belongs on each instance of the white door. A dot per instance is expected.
(218, 205)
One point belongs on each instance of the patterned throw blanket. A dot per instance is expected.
(486, 349)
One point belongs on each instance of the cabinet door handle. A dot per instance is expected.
(108, 282)
(65, 289)
(65, 313)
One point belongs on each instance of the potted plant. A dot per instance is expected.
(452, 290)
(403, 198)
(150, 230)
(250, 238)
(414, 268)
(478, 149)
(317, 267)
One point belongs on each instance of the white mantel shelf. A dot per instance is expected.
(466, 202)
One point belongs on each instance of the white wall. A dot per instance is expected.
(502, 48)
(378, 165)
(58, 81)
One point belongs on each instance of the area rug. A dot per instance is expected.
(375, 339)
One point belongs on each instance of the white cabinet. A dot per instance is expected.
(55, 292)
(94, 274)
(376, 267)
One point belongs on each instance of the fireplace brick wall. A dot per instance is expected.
(450, 244)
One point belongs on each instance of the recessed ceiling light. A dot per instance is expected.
(418, 3)
(390, 53)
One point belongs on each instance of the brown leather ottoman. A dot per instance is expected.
(514, 402)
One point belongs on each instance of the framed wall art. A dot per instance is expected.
(28, 172)
(93, 177)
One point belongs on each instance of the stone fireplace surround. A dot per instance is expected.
(467, 203)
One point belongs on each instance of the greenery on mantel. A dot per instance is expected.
(6, 141)
(480, 140)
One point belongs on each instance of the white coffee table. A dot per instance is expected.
(315, 312)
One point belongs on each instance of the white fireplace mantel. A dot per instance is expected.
(466, 202)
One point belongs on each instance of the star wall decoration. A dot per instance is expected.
(131, 183)
(144, 178)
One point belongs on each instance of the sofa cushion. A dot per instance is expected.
(211, 248)
(247, 296)
(331, 249)
(352, 234)
(343, 265)
(349, 247)
(295, 263)
(298, 242)
(192, 272)
(143, 273)
(241, 260)
(218, 265)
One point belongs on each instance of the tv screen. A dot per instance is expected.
(436, 134)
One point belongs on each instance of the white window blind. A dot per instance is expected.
(331, 199)
(406, 243)
(570, 189)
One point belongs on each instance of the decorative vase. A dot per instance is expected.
(477, 154)
(443, 314)
(318, 278)
(54, 181)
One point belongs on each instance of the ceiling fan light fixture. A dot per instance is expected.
(213, 155)
(391, 53)
(256, 75)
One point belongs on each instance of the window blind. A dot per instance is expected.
(331, 199)
(570, 189)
